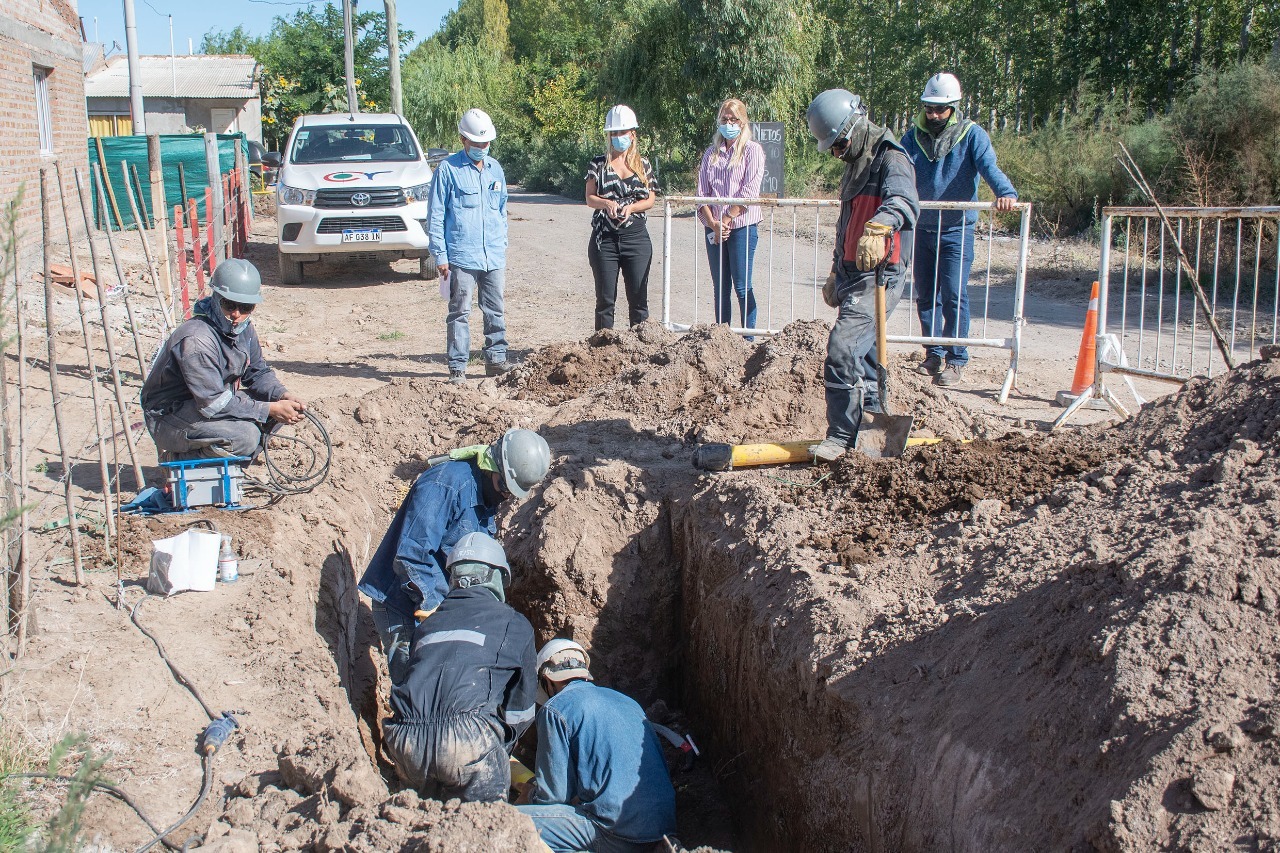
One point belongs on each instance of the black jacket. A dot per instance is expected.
(473, 654)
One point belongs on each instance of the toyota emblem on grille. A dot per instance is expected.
(361, 199)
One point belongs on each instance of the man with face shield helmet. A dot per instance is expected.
(877, 203)
(210, 392)
(469, 691)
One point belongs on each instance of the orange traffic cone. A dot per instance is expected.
(1086, 360)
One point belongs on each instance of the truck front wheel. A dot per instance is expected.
(290, 270)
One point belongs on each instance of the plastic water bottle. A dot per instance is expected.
(228, 562)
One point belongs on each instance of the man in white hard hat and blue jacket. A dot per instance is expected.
(408, 575)
(467, 232)
(210, 393)
(601, 782)
(877, 204)
(949, 153)
(469, 691)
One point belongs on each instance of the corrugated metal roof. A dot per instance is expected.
(197, 76)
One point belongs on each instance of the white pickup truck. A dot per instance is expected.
(355, 185)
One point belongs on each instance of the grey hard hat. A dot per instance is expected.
(834, 114)
(481, 548)
(237, 280)
(523, 457)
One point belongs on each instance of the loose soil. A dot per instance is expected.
(1027, 641)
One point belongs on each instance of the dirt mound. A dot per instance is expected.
(1095, 669)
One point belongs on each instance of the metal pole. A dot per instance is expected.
(214, 214)
(393, 57)
(135, 72)
(349, 55)
(173, 62)
(666, 263)
(1019, 295)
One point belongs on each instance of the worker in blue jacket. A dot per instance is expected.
(949, 153)
(601, 783)
(407, 577)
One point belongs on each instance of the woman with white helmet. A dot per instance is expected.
(620, 189)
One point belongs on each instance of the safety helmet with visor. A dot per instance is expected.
(522, 457)
(475, 551)
(835, 114)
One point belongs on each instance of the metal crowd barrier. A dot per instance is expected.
(793, 257)
(1160, 332)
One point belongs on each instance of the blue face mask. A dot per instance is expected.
(620, 143)
(730, 131)
(477, 154)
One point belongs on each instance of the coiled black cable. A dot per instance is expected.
(315, 470)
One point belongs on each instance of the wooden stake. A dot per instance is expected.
(180, 244)
(21, 596)
(196, 257)
(160, 204)
(182, 182)
(151, 264)
(90, 361)
(51, 339)
(12, 549)
(115, 447)
(108, 338)
(102, 163)
(99, 179)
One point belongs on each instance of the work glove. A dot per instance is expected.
(829, 291)
(873, 245)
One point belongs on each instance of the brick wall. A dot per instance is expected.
(44, 33)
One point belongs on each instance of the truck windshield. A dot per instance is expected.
(353, 143)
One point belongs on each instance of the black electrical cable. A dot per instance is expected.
(207, 762)
(118, 793)
(281, 483)
(177, 673)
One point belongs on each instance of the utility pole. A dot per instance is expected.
(349, 54)
(135, 73)
(393, 57)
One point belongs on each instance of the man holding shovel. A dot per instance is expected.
(878, 201)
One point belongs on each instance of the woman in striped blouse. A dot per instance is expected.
(620, 189)
(732, 167)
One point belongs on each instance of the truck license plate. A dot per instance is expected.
(361, 235)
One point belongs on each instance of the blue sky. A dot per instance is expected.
(191, 20)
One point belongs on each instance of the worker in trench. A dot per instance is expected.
(878, 203)
(600, 782)
(407, 578)
(210, 393)
(468, 691)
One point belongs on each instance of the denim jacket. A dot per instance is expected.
(467, 222)
(597, 752)
(446, 503)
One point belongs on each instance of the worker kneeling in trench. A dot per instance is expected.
(469, 691)
(601, 782)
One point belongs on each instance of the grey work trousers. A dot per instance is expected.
(488, 286)
(186, 434)
(458, 757)
(851, 369)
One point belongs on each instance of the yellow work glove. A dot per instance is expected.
(829, 290)
(873, 245)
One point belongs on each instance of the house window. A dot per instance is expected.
(44, 116)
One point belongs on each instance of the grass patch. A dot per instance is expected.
(392, 336)
(16, 821)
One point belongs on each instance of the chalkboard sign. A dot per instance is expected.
(772, 137)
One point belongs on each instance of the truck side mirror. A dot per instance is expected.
(272, 159)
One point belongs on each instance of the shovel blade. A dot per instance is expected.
(882, 436)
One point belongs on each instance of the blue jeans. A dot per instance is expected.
(566, 830)
(942, 289)
(735, 256)
(395, 632)
(488, 285)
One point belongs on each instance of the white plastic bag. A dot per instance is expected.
(186, 561)
(444, 285)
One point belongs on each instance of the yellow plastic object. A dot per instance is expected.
(519, 773)
(746, 455)
(924, 442)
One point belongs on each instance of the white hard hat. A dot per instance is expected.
(562, 659)
(621, 117)
(941, 89)
(477, 126)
